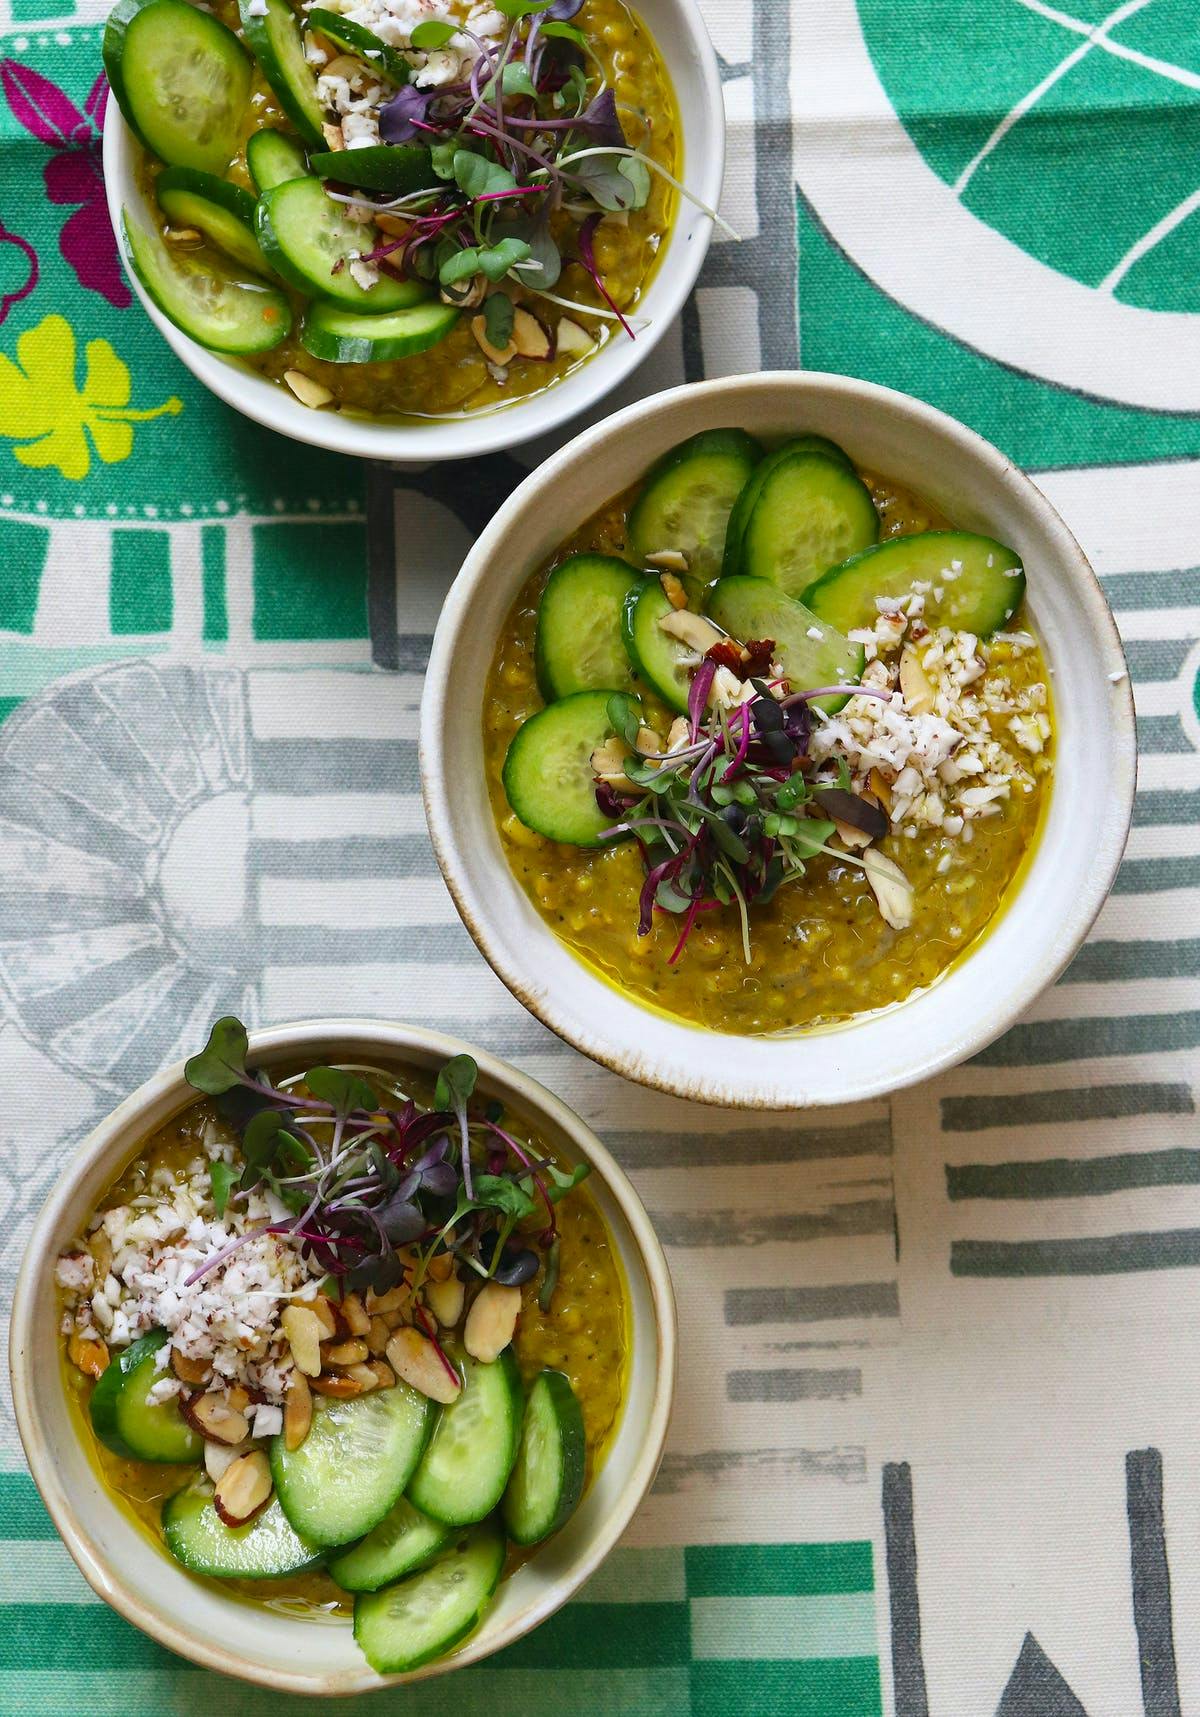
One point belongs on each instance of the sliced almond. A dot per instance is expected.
(530, 338)
(307, 389)
(679, 733)
(891, 888)
(219, 1457)
(648, 743)
(691, 629)
(414, 1359)
(243, 1488)
(100, 1247)
(364, 1376)
(881, 789)
(304, 1333)
(467, 294)
(378, 1336)
(183, 236)
(395, 226)
(358, 1318)
(89, 1354)
(393, 1301)
(571, 340)
(215, 1419)
(494, 354)
(854, 839)
(333, 136)
(674, 561)
(445, 1300)
(344, 66)
(441, 1267)
(340, 1354)
(297, 1411)
(401, 1316)
(384, 1375)
(608, 763)
(193, 1371)
(914, 684)
(491, 1321)
(337, 1383)
(328, 1315)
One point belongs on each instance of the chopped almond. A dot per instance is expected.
(215, 1419)
(570, 339)
(494, 354)
(358, 1319)
(491, 1321)
(441, 1267)
(393, 1301)
(445, 1300)
(365, 1376)
(340, 1354)
(91, 1355)
(530, 338)
(378, 1336)
(415, 1361)
(384, 1374)
(881, 789)
(297, 1411)
(326, 1314)
(333, 136)
(914, 684)
(243, 1488)
(337, 1383)
(193, 1371)
(219, 1457)
(691, 629)
(303, 1331)
(307, 389)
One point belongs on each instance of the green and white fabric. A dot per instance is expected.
(935, 1449)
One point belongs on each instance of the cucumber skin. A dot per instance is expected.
(399, 1665)
(568, 1419)
(819, 590)
(231, 199)
(175, 1538)
(551, 686)
(397, 168)
(670, 693)
(277, 300)
(104, 1406)
(257, 32)
(344, 1569)
(358, 39)
(112, 55)
(733, 442)
(419, 1491)
(731, 564)
(384, 297)
(724, 589)
(374, 348)
(293, 150)
(525, 735)
(285, 1482)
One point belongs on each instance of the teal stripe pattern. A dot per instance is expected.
(655, 1633)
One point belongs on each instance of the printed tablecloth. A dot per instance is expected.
(935, 1451)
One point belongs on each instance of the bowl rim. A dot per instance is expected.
(110, 1139)
(674, 275)
(457, 870)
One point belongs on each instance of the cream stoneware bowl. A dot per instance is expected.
(683, 42)
(1075, 858)
(193, 1617)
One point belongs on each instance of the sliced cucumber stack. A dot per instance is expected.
(273, 158)
(224, 213)
(346, 337)
(547, 1481)
(217, 309)
(309, 241)
(579, 646)
(548, 775)
(265, 1548)
(811, 652)
(688, 496)
(463, 1472)
(404, 1540)
(405, 1625)
(810, 514)
(975, 584)
(663, 662)
(396, 168)
(127, 1423)
(277, 44)
(357, 39)
(744, 505)
(354, 1463)
(181, 79)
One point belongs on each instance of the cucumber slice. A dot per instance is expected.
(548, 771)
(404, 1540)
(273, 158)
(224, 213)
(980, 581)
(464, 1470)
(265, 1548)
(181, 79)
(126, 1423)
(688, 497)
(744, 505)
(342, 337)
(662, 661)
(405, 1625)
(396, 168)
(752, 608)
(357, 39)
(353, 1465)
(221, 312)
(276, 41)
(810, 514)
(547, 1481)
(306, 236)
(579, 645)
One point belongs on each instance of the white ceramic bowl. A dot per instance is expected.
(678, 29)
(193, 1617)
(1074, 860)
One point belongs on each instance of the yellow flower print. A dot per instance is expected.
(41, 408)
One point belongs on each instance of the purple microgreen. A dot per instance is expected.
(406, 115)
(851, 808)
(587, 257)
(698, 693)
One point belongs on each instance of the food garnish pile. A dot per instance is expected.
(317, 1313)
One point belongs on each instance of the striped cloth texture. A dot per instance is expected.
(934, 1449)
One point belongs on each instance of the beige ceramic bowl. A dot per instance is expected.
(1074, 861)
(137, 1577)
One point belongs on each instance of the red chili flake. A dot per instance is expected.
(761, 651)
(726, 655)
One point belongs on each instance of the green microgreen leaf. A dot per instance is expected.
(494, 1192)
(455, 1083)
(550, 1279)
(604, 179)
(496, 260)
(515, 80)
(346, 1091)
(222, 1177)
(433, 33)
(498, 314)
(843, 775)
(811, 835)
(638, 175)
(520, 8)
(559, 1182)
(622, 712)
(793, 792)
(553, 27)
(459, 265)
(221, 1064)
(474, 175)
(262, 1137)
(441, 156)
